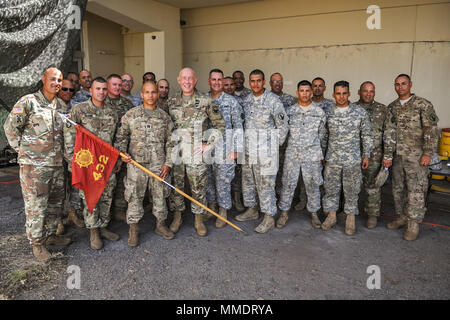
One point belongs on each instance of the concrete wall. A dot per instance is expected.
(134, 56)
(147, 17)
(305, 39)
(105, 45)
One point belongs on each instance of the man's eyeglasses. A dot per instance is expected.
(70, 89)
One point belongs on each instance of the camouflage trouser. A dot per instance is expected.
(219, 184)
(350, 176)
(236, 184)
(278, 181)
(101, 214)
(256, 184)
(120, 203)
(73, 193)
(136, 184)
(198, 178)
(43, 194)
(372, 202)
(312, 176)
(409, 185)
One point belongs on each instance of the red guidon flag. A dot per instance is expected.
(92, 163)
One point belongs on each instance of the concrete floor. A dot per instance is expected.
(296, 262)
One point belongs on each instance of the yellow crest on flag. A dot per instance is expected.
(84, 158)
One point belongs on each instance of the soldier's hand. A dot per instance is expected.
(425, 160)
(126, 158)
(164, 171)
(365, 163)
(387, 163)
(232, 156)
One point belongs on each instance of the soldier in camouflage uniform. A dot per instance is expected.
(83, 94)
(146, 134)
(35, 131)
(276, 85)
(411, 137)
(264, 117)
(163, 92)
(348, 129)
(240, 89)
(127, 86)
(192, 112)
(121, 105)
(221, 172)
(306, 142)
(377, 113)
(102, 120)
(236, 184)
(75, 202)
(318, 87)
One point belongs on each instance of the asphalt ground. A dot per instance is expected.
(296, 262)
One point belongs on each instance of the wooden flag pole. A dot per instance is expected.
(181, 192)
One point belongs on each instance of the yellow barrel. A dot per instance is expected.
(444, 147)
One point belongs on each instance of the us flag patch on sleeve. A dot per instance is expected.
(17, 110)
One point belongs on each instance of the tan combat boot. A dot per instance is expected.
(200, 226)
(350, 227)
(213, 207)
(300, 206)
(371, 222)
(223, 214)
(237, 203)
(73, 218)
(176, 223)
(108, 235)
(315, 222)
(163, 231)
(60, 229)
(96, 242)
(250, 214)
(58, 240)
(120, 215)
(412, 232)
(133, 235)
(330, 221)
(397, 224)
(281, 222)
(41, 253)
(266, 225)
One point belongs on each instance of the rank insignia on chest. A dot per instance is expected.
(19, 118)
(216, 110)
(197, 103)
(281, 116)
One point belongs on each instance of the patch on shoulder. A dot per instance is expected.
(17, 110)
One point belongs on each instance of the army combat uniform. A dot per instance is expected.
(192, 116)
(121, 105)
(326, 104)
(287, 100)
(221, 173)
(348, 129)
(35, 130)
(411, 131)
(80, 96)
(377, 114)
(304, 153)
(264, 115)
(146, 135)
(243, 93)
(101, 121)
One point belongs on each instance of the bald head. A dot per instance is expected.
(187, 81)
(367, 92)
(51, 81)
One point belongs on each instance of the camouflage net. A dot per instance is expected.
(34, 34)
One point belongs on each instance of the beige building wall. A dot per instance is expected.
(105, 46)
(305, 39)
(134, 63)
